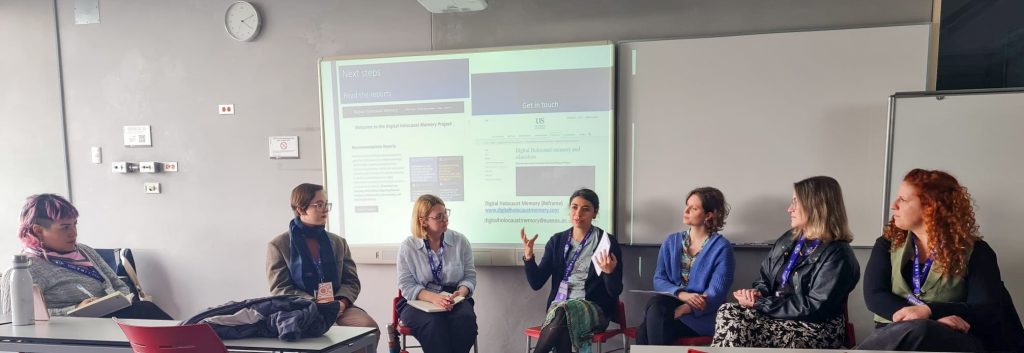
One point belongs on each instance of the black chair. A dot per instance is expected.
(123, 264)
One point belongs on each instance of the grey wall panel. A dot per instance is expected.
(753, 114)
(508, 22)
(31, 129)
(169, 64)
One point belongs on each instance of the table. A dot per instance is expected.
(97, 335)
(684, 349)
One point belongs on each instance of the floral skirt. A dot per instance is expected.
(737, 326)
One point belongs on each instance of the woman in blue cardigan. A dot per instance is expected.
(696, 266)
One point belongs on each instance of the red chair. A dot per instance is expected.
(198, 338)
(405, 331)
(682, 341)
(851, 336)
(599, 337)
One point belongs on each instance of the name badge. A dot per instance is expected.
(563, 292)
(434, 287)
(325, 293)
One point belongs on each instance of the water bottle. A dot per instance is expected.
(22, 305)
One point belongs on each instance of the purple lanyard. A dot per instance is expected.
(435, 271)
(920, 273)
(90, 271)
(572, 263)
(793, 259)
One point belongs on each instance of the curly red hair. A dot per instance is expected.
(948, 217)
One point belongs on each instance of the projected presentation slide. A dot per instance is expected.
(503, 137)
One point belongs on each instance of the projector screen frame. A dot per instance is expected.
(485, 254)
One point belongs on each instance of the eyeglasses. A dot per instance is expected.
(441, 216)
(321, 205)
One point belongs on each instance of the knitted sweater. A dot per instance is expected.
(60, 285)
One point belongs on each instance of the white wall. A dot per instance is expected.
(31, 129)
(169, 63)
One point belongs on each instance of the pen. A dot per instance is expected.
(86, 291)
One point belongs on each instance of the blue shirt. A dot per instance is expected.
(414, 268)
(711, 274)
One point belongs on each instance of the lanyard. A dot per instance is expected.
(85, 270)
(920, 273)
(572, 263)
(319, 271)
(793, 259)
(435, 271)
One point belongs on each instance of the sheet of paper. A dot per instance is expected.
(284, 147)
(604, 247)
(652, 292)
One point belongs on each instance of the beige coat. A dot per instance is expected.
(278, 260)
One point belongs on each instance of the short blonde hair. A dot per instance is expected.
(822, 201)
(420, 210)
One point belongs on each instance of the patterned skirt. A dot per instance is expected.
(737, 326)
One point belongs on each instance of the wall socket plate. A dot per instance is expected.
(170, 167)
(149, 167)
(119, 167)
(152, 187)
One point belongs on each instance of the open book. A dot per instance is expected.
(104, 305)
(430, 307)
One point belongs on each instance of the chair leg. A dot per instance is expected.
(529, 342)
(476, 346)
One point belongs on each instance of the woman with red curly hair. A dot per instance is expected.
(932, 283)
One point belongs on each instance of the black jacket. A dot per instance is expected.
(819, 285)
(602, 289)
(287, 317)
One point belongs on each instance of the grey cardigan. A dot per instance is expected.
(60, 285)
(278, 260)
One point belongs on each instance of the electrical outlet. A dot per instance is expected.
(152, 188)
(226, 109)
(149, 167)
(170, 167)
(119, 167)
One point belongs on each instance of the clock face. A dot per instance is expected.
(242, 21)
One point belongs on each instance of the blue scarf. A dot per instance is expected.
(304, 270)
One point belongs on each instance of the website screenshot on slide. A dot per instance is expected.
(503, 137)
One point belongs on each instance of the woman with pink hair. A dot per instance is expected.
(70, 274)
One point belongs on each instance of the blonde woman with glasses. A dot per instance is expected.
(310, 262)
(435, 264)
(798, 299)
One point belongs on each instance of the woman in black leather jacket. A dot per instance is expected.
(798, 300)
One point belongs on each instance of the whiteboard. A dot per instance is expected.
(753, 114)
(976, 137)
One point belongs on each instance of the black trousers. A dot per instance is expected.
(922, 335)
(442, 332)
(659, 326)
(141, 310)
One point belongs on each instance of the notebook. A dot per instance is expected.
(104, 305)
(431, 307)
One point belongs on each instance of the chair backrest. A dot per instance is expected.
(394, 308)
(620, 315)
(198, 338)
(123, 263)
